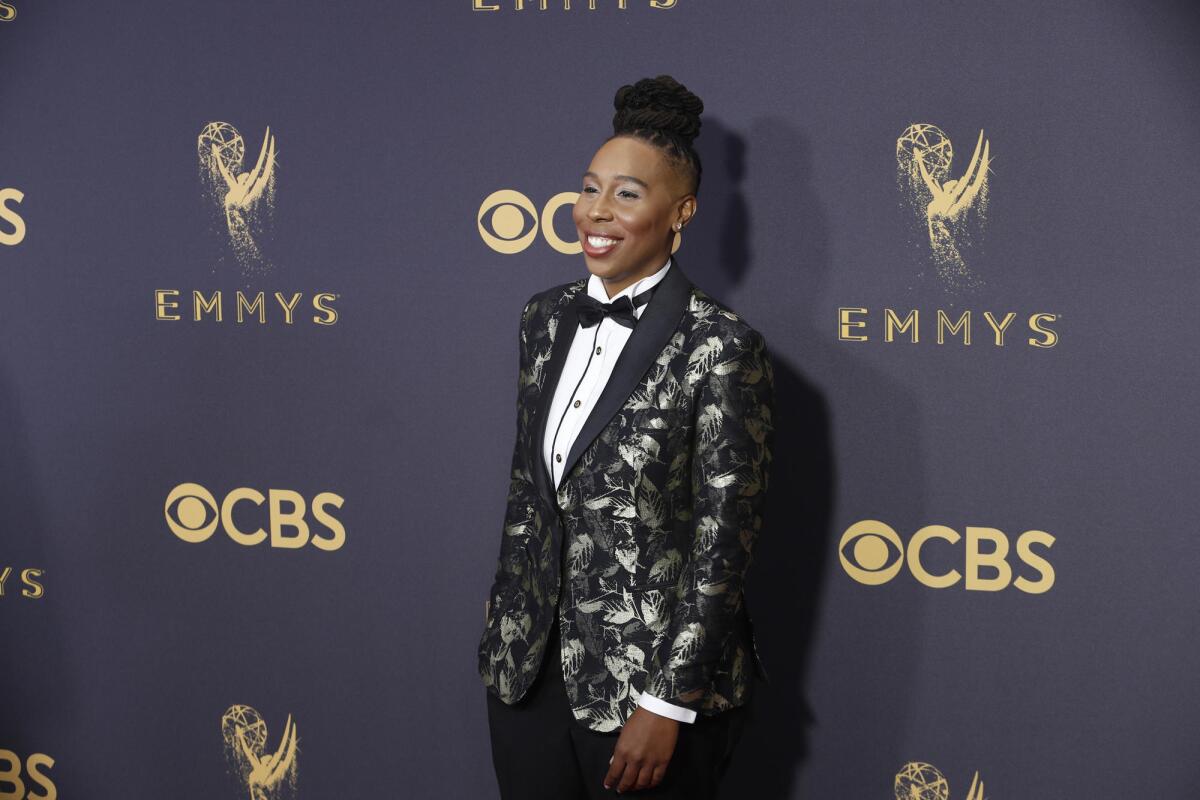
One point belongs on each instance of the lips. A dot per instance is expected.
(597, 245)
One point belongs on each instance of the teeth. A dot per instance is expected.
(600, 241)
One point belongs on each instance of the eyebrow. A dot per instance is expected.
(638, 181)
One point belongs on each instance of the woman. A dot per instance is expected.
(618, 651)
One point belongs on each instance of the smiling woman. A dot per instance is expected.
(619, 655)
(640, 189)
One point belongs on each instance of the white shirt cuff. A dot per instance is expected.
(665, 709)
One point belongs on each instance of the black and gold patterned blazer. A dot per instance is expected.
(658, 511)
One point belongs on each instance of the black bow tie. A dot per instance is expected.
(621, 310)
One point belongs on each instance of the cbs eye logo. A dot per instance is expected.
(872, 553)
(193, 514)
(514, 222)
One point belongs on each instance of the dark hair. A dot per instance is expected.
(662, 112)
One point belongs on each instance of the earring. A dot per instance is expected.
(678, 226)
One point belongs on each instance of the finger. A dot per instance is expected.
(645, 777)
(616, 766)
(660, 772)
(629, 777)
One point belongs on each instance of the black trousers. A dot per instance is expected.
(541, 752)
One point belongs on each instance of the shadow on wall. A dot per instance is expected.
(35, 691)
(784, 582)
(786, 586)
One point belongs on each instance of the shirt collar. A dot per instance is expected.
(596, 287)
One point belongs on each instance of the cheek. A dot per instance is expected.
(639, 226)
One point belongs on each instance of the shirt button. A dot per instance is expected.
(597, 351)
(578, 403)
(558, 457)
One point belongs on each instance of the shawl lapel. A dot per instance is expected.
(651, 334)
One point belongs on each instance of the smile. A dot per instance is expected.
(598, 246)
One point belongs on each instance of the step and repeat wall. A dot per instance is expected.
(263, 265)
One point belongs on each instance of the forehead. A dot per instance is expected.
(628, 156)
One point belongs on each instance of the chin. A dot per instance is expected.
(601, 269)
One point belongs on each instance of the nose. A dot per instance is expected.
(599, 209)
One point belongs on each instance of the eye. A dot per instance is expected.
(627, 193)
(589, 189)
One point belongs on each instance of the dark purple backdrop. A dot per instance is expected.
(393, 122)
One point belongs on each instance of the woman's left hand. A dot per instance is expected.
(643, 751)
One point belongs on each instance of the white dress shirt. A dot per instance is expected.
(589, 364)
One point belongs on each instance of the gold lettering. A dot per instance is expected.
(200, 306)
(259, 304)
(162, 304)
(34, 763)
(1051, 338)
(915, 566)
(11, 216)
(964, 323)
(293, 519)
(318, 302)
(995, 559)
(11, 774)
(335, 526)
(1043, 566)
(845, 323)
(892, 324)
(248, 539)
(288, 307)
(999, 327)
(4, 579)
(33, 590)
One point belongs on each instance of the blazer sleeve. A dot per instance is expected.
(522, 492)
(731, 455)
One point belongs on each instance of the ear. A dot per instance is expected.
(686, 210)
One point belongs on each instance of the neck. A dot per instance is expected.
(614, 286)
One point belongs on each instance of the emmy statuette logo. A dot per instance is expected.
(246, 200)
(8, 12)
(948, 216)
(917, 780)
(264, 774)
(242, 203)
(951, 211)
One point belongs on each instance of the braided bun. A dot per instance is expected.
(661, 103)
(662, 112)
